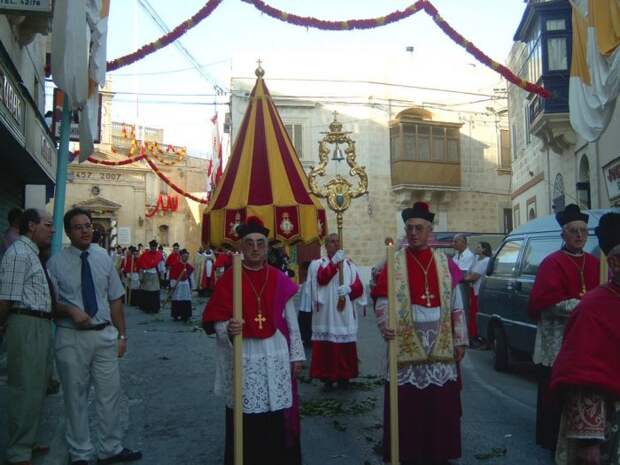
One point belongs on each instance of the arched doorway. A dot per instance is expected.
(583, 184)
(558, 194)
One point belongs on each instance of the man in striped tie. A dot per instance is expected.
(89, 341)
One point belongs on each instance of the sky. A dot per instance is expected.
(228, 43)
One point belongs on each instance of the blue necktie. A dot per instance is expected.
(89, 297)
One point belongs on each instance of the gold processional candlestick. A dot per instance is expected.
(338, 190)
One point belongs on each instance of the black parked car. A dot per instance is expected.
(505, 291)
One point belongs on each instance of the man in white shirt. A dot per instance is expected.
(90, 338)
(464, 259)
(26, 305)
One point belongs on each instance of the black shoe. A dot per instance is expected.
(79, 462)
(126, 455)
(344, 384)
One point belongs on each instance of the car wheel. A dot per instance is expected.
(501, 352)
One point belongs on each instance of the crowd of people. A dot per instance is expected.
(83, 288)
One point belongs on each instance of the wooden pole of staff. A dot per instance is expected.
(604, 269)
(237, 364)
(392, 323)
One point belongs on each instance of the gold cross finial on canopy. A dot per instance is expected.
(260, 72)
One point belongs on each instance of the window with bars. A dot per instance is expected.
(425, 142)
(295, 132)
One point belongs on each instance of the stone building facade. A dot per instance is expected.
(552, 165)
(124, 199)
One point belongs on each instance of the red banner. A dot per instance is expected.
(287, 223)
(233, 218)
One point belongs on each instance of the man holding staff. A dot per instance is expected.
(431, 339)
(272, 353)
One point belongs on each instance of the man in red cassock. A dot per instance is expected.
(174, 257)
(334, 327)
(563, 278)
(131, 276)
(432, 336)
(150, 265)
(223, 261)
(586, 372)
(181, 288)
(272, 353)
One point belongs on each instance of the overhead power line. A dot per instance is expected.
(378, 83)
(179, 45)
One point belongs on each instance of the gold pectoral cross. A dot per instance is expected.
(260, 319)
(428, 296)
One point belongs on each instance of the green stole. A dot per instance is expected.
(410, 349)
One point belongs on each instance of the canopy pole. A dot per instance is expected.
(604, 268)
(237, 364)
(393, 366)
(341, 300)
(62, 166)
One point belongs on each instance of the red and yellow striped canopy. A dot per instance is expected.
(263, 178)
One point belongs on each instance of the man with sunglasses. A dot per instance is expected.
(563, 278)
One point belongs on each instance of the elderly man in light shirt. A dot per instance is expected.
(90, 339)
(26, 304)
(464, 259)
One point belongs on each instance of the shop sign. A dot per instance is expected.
(611, 173)
(26, 7)
(12, 105)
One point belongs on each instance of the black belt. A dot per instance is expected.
(34, 313)
(97, 327)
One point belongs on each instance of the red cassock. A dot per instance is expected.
(150, 259)
(220, 305)
(325, 275)
(223, 260)
(129, 265)
(590, 351)
(181, 271)
(558, 279)
(417, 291)
(173, 259)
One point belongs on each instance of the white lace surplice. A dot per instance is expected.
(426, 324)
(266, 366)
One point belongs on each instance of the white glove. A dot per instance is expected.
(344, 290)
(564, 308)
(338, 257)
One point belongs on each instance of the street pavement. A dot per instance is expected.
(169, 410)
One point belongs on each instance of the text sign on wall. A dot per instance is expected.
(26, 7)
(611, 173)
(123, 236)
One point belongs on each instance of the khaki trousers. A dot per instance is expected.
(28, 341)
(86, 358)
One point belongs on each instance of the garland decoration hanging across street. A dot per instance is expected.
(429, 8)
(343, 25)
(168, 181)
(349, 24)
(116, 163)
(165, 40)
